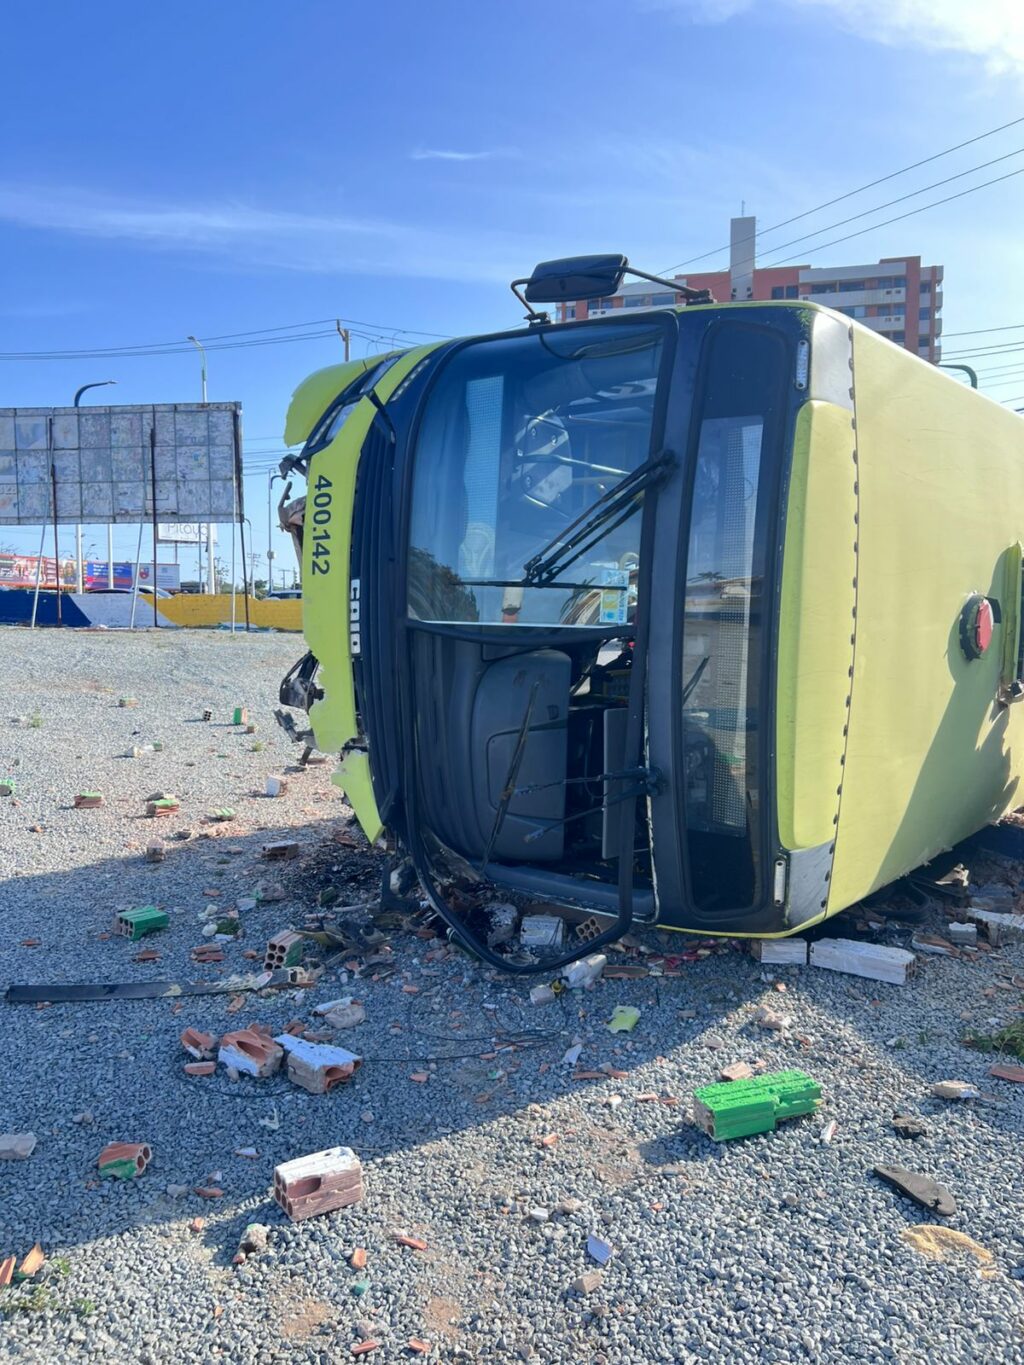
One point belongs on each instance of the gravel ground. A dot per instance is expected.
(775, 1248)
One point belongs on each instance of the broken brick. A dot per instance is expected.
(318, 1183)
(202, 1046)
(200, 1068)
(317, 1067)
(358, 1259)
(88, 800)
(124, 1160)
(251, 1050)
(416, 1243)
(283, 950)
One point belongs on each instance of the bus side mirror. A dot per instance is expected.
(575, 277)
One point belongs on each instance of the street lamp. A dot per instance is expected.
(211, 580)
(270, 532)
(98, 384)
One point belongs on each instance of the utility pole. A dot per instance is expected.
(98, 384)
(211, 571)
(344, 334)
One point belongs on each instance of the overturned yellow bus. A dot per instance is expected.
(706, 617)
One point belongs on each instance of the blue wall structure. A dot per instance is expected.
(113, 610)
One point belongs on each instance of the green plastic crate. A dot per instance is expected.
(134, 924)
(732, 1109)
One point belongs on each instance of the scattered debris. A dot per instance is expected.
(343, 1013)
(624, 1019)
(584, 971)
(955, 1090)
(780, 952)
(52, 993)
(736, 1071)
(200, 1068)
(318, 1183)
(964, 935)
(542, 931)
(857, 958)
(221, 815)
(207, 713)
(125, 702)
(503, 920)
(418, 1346)
(414, 1243)
(733, 1109)
(1007, 1073)
(358, 1258)
(317, 1067)
(124, 1160)
(938, 1242)
(252, 1241)
(88, 800)
(921, 1188)
(283, 950)
(17, 1146)
(599, 1250)
(276, 786)
(998, 927)
(240, 716)
(590, 929)
(135, 924)
(252, 1050)
(159, 807)
(7, 786)
(156, 851)
(588, 1281)
(932, 943)
(907, 1126)
(777, 1023)
(828, 1132)
(32, 1262)
(542, 995)
(281, 850)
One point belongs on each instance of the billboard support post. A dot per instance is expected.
(110, 554)
(56, 547)
(241, 519)
(39, 572)
(135, 578)
(152, 475)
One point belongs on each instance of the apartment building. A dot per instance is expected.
(898, 296)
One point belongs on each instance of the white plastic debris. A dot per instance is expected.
(585, 971)
(542, 995)
(542, 931)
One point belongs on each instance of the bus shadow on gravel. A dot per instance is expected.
(448, 1049)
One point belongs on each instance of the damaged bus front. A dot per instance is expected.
(581, 606)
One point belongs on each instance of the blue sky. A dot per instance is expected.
(215, 169)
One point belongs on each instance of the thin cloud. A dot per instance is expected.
(992, 31)
(246, 235)
(444, 154)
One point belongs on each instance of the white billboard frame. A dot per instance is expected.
(98, 464)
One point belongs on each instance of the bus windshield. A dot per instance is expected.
(520, 438)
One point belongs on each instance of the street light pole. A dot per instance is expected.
(210, 569)
(270, 532)
(98, 384)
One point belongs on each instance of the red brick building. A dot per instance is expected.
(897, 297)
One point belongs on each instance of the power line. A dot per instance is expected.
(912, 213)
(1012, 327)
(851, 193)
(891, 202)
(268, 336)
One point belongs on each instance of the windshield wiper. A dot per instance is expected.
(609, 512)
